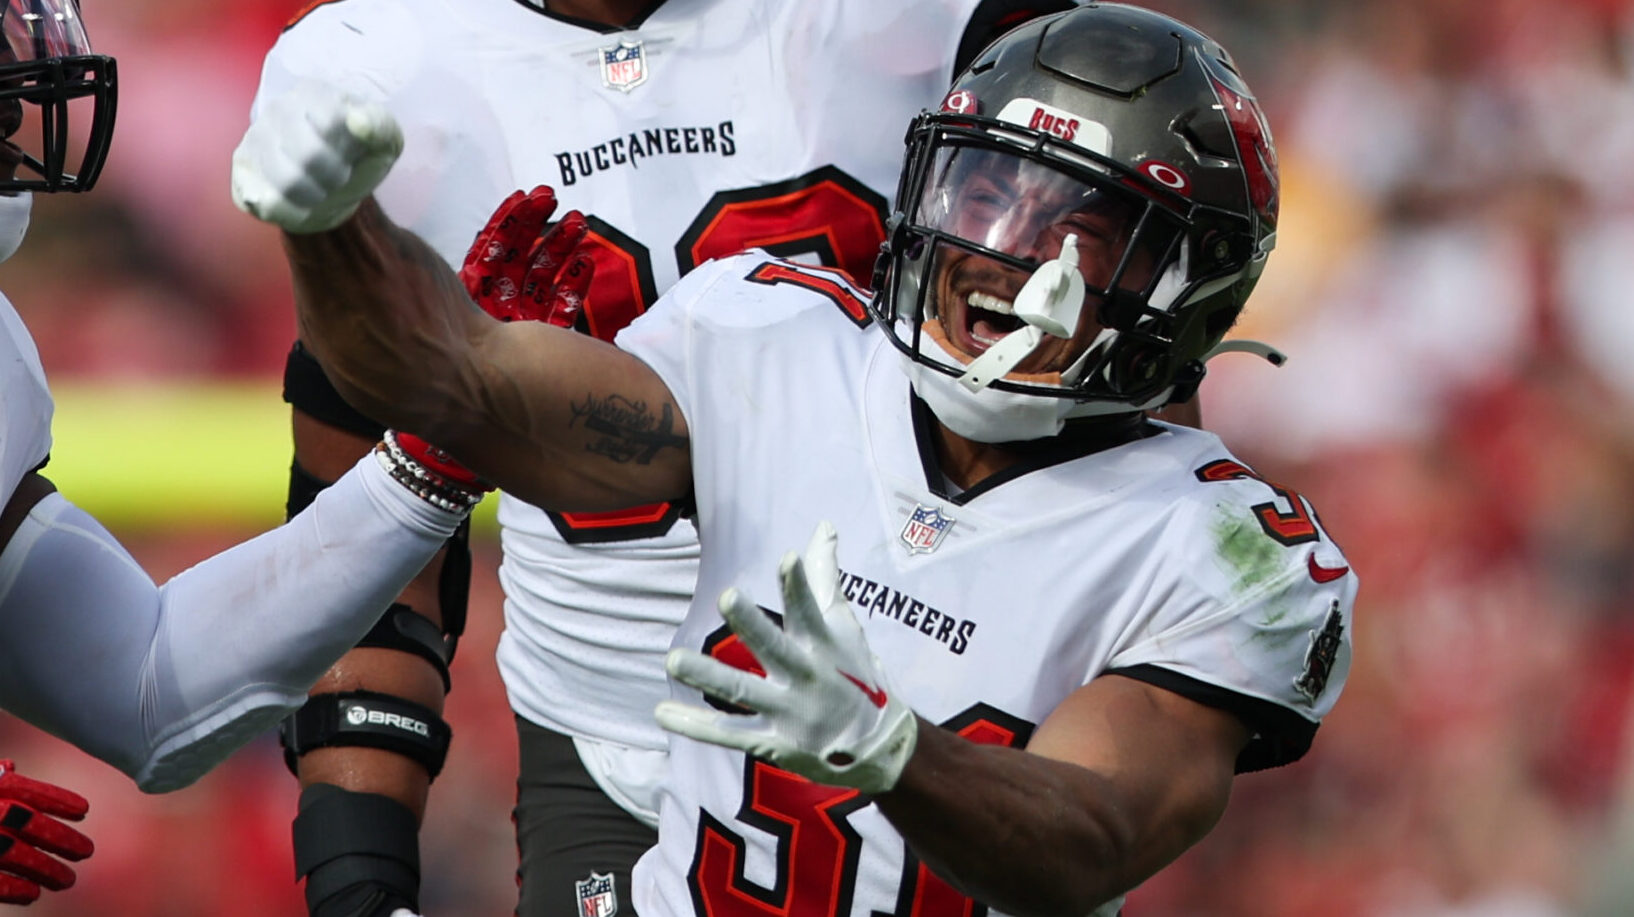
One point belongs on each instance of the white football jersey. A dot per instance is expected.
(714, 126)
(25, 441)
(1164, 559)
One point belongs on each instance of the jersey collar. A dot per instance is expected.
(1082, 437)
(538, 6)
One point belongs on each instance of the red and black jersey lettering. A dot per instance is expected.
(1295, 525)
(923, 893)
(832, 283)
(817, 848)
(825, 214)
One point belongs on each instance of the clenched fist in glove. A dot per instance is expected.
(823, 710)
(312, 156)
(31, 837)
(520, 268)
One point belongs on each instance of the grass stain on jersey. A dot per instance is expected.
(1255, 559)
(1246, 551)
(1273, 631)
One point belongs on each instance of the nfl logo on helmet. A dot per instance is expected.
(623, 66)
(925, 529)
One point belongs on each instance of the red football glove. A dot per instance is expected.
(523, 267)
(520, 268)
(28, 832)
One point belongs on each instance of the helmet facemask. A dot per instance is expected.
(987, 208)
(57, 99)
(993, 224)
(1117, 127)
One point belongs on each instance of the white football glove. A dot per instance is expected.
(824, 710)
(314, 154)
(403, 912)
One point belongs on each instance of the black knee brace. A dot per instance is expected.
(359, 853)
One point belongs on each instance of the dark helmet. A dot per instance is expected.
(46, 61)
(1114, 124)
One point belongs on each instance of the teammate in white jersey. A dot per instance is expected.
(162, 682)
(690, 129)
(1035, 563)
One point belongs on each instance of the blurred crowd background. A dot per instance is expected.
(1453, 286)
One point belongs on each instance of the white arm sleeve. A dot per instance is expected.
(164, 682)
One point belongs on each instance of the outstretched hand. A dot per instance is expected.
(32, 840)
(823, 709)
(312, 156)
(524, 268)
(520, 268)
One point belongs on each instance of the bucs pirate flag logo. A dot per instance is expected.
(624, 66)
(925, 529)
(597, 897)
(1320, 657)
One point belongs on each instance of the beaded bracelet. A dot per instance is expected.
(421, 481)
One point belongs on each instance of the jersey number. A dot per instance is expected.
(817, 849)
(1295, 525)
(824, 214)
(833, 284)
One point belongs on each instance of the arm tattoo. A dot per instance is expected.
(629, 431)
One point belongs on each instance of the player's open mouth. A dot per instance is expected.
(988, 318)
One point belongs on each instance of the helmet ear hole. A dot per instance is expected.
(1213, 250)
(1137, 366)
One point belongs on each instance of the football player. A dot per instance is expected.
(162, 682)
(1050, 629)
(691, 129)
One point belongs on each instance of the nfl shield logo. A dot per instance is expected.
(925, 529)
(623, 66)
(597, 897)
